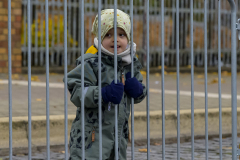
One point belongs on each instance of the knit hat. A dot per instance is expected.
(107, 22)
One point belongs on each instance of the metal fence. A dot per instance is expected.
(56, 13)
(66, 49)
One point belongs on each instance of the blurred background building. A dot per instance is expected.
(56, 36)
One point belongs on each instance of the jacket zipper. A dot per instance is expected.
(122, 72)
(93, 134)
(123, 81)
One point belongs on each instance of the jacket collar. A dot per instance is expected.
(110, 59)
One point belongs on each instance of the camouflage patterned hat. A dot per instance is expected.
(107, 22)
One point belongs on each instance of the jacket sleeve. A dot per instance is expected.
(139, 77)
(90, 86)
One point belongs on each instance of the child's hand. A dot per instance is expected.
(113, 93)
(132, 86)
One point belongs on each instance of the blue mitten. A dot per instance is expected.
(132, 86)
(113, 93)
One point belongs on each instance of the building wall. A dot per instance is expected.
(16, 16)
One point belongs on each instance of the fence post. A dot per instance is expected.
(219, 82)
(29, 82)
(234, 83)
(10, 79)
(65, 82)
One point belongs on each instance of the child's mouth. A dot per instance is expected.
(113, 46)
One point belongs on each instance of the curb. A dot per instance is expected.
(20, 126)
(188, 69)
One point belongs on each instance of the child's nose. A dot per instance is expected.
(117, 38)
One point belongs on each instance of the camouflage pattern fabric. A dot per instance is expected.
(91, 108)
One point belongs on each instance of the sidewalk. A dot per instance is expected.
(38, 101)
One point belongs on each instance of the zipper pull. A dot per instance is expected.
(93, 135)
(123, 81)
(109, 106)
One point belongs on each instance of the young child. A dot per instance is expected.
(112, 93)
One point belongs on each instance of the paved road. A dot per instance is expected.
(156, 151)
(38, 96)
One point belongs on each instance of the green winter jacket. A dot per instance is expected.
(91, 108)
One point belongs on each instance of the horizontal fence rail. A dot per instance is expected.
(196, 33)
(56, 48)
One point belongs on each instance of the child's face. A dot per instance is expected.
(122, 41)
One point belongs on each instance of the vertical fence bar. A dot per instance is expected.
(224, 31)
(187, 17)
(47, 77)
(155, 35)
(65, 82)
(211, 14)
(216, 31)
(198, 19)
(92, 6)
(125, 6)
(163, 95)
(148, 116)
(202, 59)
(178, 106)
(41, 39)
(29, 82)
(132, 72)
(167, 31)
(36, 37)
(237, 15)
(151, 20)
(82, 79)
(10, 78)
(219, 79)
(79, 29)
(142, 37)
(195, 16)
(234, 78)
(69, 30)
(159, 38)
(99, 79)
(115, 77)
(192, 79)
(228, 37)
(182, 22)
(205, 76)
(96, 7)
(74, 31)
(58, 29)
(53, 32)
(173, 24)
(25, 33)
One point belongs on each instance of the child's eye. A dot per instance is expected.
(108, 35)
(121, 35)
